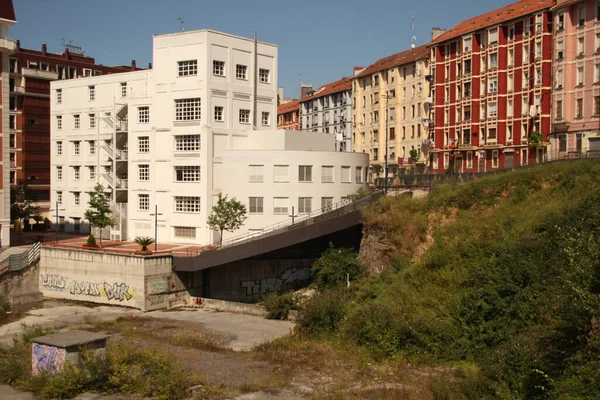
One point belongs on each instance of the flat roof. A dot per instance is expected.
(70, 338)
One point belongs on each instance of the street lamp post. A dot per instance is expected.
(57, 210)
(156, 214)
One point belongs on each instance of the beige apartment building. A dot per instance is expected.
(391, 97)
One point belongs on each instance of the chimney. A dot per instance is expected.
(133, 64)
(435, 32)
(66, 54)
(18, 45)
(305, 89)
(149, 65)
(44, 49)
(358, 70)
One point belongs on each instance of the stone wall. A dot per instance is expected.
(20, 288)
(106, 278)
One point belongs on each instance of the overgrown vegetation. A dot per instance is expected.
(280, 305)
(501, 275)
(125, 368)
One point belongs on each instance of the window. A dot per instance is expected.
(493, 36)
(76, 148)
(511, 82)
(76, 198)
(143, 202)
(92, 172)
(305, 173)
(562, 142)
(59, 148)
(579, 108)
(92, 118)
(559, 79)
(86, 72)
(467, 44)
(218, 113)
(256, 205)
(469, 159)
(92, 92)
(266, 118)
(188, 204)
(144, 172)
(527, 27)
(304, 204)
(76, 173)
(467, 66)
(143, 144)
(538, 49)
(493, 60)
(596, 105)
(579, 76)
(59, 122)
(597, 73)
(58, 96)
(187, 143)
(525, 83)
(59, 197)
(92, 146)
(219, 68)
(511, 57)
(188, 68)
(244, 116)
(59, 173)
(184, 232)
(264, 75)
(257, 173)
(580, 46)
(581, 16)
(492, 109)
(491, 133)
(188, 109)
(326, 203)
(493, 85)
(123, 89)
(359, 175)
(495, 159)
(281, 173)
(561, 21)
(347, 174)
(327, 174)
(241, 72)
(559, 108)
(76, 121)
(281, 205)
(511, 32)
(144, 114)
(187, 173)
(525, 54)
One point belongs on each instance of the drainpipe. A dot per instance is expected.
(255, 88)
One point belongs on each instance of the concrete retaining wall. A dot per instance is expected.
(227, 306)
(20, 288)
(106, 278)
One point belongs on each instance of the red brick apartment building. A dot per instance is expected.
(492, 81)
(31, 72)
(288, 115)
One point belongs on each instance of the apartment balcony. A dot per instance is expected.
(40, 74)
(7, 45)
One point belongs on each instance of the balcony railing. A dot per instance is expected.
(37, 73)
(7, 44)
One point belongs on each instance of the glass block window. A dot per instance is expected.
(188, 173)
(188, 204)
(187, 109)
(187, 143)
(143, 202)
(188, 68)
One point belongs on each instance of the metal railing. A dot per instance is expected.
(340, 208)
(17, 262)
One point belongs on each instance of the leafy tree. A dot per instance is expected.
(535, 139)
(414, 154)
(334, 267)
(23, 202)
(99, 210)
(226, 215)
(144, 241)
(359, 194)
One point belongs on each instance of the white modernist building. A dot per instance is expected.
(200, 123)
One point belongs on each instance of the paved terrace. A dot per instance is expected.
(116, 247)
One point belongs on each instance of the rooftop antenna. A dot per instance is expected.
(181, 22)
(413, 43)
(299, 88)
(71, 47)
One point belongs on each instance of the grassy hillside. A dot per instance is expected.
(499, 278)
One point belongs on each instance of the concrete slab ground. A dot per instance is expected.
(244, 331)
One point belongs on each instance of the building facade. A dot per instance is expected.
(7, 46)
(390, 98)
(31, 72)
(492, 89)
(288, 115)
(576, 92)
(328, 110)
(200, 123)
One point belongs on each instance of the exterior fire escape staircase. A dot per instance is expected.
(116, 176)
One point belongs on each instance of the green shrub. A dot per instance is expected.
(322, 314)
(91, 240)
(280, 305)
(335, 266)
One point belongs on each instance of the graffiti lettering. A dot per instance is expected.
(47, 358)
(268, 285)
(83, 288)
(158, 286)
(117, 291)
(53, 282)
(156, 299)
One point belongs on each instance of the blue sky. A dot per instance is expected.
(319, 41)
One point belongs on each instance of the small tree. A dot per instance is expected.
(99, 210)
(335, 266)
(226, 215)
(144, 241)
(23, 202)
(535, 139)
(414, 154)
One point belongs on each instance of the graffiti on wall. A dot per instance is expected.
(115, 291)
(269, 285)
(46, 358)
(160, 286)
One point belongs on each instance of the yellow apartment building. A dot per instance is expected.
(392, 95)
